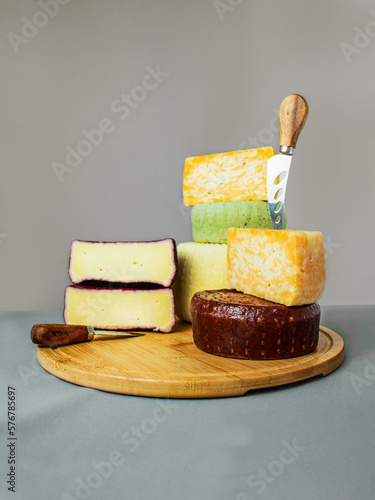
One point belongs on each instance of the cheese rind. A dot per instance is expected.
(233, 176)
(124, 262)
(120, 308)
(211, 221)
(238, 325)
(200, 267)
(284, 266)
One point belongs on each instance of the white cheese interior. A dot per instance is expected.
(120, 309)
(125, 262)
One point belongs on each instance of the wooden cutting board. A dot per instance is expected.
(171, 366)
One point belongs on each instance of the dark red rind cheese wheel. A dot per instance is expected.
(237, 325)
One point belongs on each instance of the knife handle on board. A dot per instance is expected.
(292, 118)
(51, 334)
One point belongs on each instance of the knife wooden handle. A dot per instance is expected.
(51, 334)
(292, 118)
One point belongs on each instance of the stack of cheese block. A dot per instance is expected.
(250, 291)
(271, 312)
(122, 285)
(225, 190)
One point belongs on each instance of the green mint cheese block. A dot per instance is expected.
(211, 221)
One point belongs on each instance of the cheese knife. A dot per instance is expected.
(292, 118)
(52, 335)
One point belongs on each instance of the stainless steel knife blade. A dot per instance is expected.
(292, 118)
(277, 177)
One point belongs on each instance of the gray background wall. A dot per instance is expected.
(226, 67)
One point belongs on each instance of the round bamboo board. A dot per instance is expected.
(171, 366)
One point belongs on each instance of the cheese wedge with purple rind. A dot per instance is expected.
(124, 261)
(120, 308)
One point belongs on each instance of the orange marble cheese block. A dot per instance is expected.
(234, 176)
(284, 266)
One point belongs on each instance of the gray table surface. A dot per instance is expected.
(311, 440)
